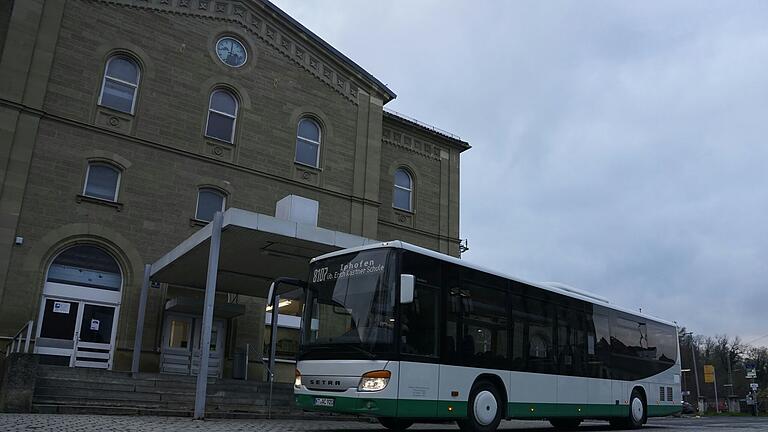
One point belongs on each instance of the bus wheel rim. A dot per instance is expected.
(485, 407)
(637, 409)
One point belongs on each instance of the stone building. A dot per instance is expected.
(126, 124)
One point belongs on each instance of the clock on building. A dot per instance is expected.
(231, 51)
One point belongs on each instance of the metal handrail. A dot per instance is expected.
(261, 361)
(15, 343)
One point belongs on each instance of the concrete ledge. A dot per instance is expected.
(18, 383)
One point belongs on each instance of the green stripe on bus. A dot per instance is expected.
(458, 409)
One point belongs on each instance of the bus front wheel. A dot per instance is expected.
(637, 413)
(395, 424)
(484, 409)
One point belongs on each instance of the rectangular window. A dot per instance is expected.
(572, 342)
(599, 345)
(483, 320)
(59, 319)
(220, 126)
(419, 325)
(307, 152)
(537, 319)
(420, 320)
(517, 353)
(101, 181)
(118, 96)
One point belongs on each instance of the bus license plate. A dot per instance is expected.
(324, 402)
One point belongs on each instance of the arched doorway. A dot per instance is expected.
(78, 315)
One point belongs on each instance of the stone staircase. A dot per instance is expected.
(94, 391)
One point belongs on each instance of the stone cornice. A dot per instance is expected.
(272, 30)
(411, 143)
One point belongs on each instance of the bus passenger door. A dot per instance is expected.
(419, 369)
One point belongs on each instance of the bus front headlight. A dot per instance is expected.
(297, 381)
(374, 381)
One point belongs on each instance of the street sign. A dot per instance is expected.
(753, 386)
(751, 374)
(709, 374)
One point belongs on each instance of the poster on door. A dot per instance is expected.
(95, 324)
(61, 307)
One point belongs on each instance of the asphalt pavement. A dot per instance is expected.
(86, 423)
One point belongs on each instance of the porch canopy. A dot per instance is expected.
(255, 249)
(238, 252)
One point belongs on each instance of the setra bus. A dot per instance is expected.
(405, 335)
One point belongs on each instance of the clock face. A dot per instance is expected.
(231, 52)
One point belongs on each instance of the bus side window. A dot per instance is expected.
(598, 358)
(419, 322)
(540, 329)
(517, 353)
(484, 320)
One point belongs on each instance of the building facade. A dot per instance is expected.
(126, 124)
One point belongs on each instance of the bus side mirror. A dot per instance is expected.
(407, 284)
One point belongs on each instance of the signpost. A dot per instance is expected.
(709, 378)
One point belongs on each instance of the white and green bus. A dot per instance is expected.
(407, 335)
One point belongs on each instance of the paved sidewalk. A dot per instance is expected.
(88, 423)
(78, 423)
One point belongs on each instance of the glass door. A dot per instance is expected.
(93, 340)
(58, 321)
(176, 353)
(215, 357)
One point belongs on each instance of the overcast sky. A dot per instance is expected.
(618, 147)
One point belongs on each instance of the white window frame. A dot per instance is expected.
(88, 175)
(309, 141)
(410, 191)
(233, 117)
(135, 86)
(207, 188)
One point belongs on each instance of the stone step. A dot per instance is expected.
(109, 410)
(132, 406)
(95, 392)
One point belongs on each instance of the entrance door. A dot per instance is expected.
(216, 348)
(77, 322)
(93, 341)
(77, 333)
(177, 344)
(181, 345)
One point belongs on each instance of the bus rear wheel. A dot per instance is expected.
(637, 413)
(565, 423)
(395, 424)
(484, 409)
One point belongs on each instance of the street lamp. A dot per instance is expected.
(695, 370)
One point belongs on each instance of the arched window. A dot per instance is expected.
(120, 84)
(308, 138)
(209, 201)
(102, 181)
(222, 114)
(86, 266)
(402, 195)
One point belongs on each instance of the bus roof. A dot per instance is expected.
(548, 286)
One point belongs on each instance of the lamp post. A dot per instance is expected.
(695, 369)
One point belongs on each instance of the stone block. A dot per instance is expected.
(19, 376)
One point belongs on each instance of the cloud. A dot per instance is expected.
(617, 147)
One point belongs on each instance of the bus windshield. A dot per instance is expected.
(350, 306)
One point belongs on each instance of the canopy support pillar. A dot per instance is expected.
(210, 294)
(140, 319)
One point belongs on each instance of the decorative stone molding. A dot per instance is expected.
(114, 120)
(265, 27)
(408, 142)
(403, 218)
